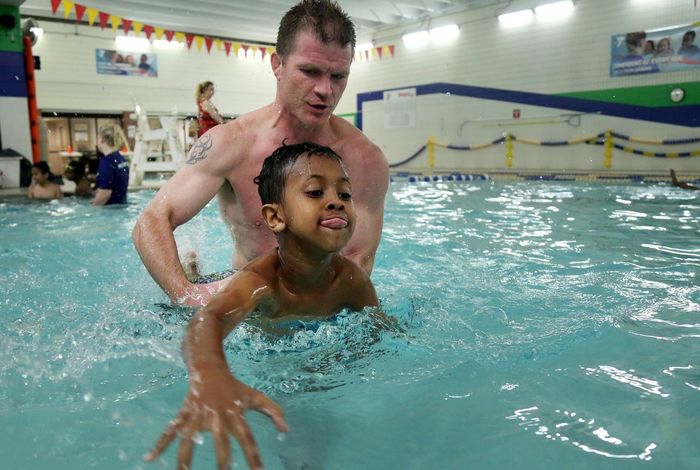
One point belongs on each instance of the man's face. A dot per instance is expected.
(38, 176)
(312, 79)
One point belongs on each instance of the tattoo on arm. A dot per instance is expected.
(199, 150)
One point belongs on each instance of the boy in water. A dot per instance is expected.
(42, 187)
(307, 203)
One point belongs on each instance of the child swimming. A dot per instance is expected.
(307, 202)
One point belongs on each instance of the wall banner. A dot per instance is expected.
(400, 108)
(134, 64)
(659, 50)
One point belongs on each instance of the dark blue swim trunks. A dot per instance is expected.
(213, 277)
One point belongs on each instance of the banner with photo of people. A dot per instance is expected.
(134, 64)
(659, 50)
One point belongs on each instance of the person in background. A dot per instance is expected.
(688, 49)
(207, 115)
(681, 184)
(42, 187)
(307, 204)
(663, 48)
(75, 172)
(113, 172)
(315, 48)
(649, 48)
(144, 66)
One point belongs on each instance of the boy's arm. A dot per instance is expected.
(216, 400)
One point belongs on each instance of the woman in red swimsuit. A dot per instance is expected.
(208, 116)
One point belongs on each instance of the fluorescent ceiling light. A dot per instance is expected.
(129, 43)
(444, 33)
(163, 44)
(556, 10)
(416, 39)
(516, 18)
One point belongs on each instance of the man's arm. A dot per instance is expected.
(182, 197)
(216, 400)
(101, 197)
(370, 213)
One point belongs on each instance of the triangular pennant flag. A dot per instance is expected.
(126, 25)
(366, 54)
(54, 5)
(380, 49)
(103, 19)
(169, 34)
(67, 8)
(189, 38)
(180, 37)
(245, 49)
(92, 14)
(263, 51)
(236, 48)
(79, 12)
(227, 47)
(159, 32)
(138, 27)
(115, 20)
(391, 50)
(208, 41)
(148, 30)
(199, 40)
(217, 43)
(253, 50)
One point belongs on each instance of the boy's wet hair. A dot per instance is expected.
(77, 168)
(43, 167)
(275, 169)
(323, 18)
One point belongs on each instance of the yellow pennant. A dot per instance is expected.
(116, 21)
(199, 40)
(217, 43)
(159, 33)
(138, 27)
(67, 8)
(180, 37)
(91, 14)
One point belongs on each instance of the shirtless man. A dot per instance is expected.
(311, 65)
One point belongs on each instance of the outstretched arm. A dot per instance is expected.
(217, 401)
(182, 197)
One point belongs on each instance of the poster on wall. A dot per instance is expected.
(134, 64)
(659, 50)
(400, 108)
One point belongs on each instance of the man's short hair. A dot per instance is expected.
(275, 170)
(323, 18)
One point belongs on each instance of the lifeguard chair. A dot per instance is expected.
(157, 153)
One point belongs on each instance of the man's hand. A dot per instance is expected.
(219, 407)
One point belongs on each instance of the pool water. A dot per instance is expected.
(547, 325)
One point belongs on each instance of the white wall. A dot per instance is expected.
(565, 56)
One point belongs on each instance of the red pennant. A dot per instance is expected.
(245, 48)
(189, 38)
(126, 25)
(366, 54)
(208, 41)
(391, 49)
(227, 46)
(169, 35)
(380, 50)
(263, 51)
(79, 12)
(148, 30)
(103, 19)
(55, 4)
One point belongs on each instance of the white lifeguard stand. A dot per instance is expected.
(157, 153)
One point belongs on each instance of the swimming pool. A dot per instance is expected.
(548, 325)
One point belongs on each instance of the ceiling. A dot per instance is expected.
(256, 20)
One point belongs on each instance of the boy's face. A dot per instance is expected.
(317, 204)
(39, 177)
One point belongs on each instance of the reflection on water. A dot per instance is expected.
(547, 325)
